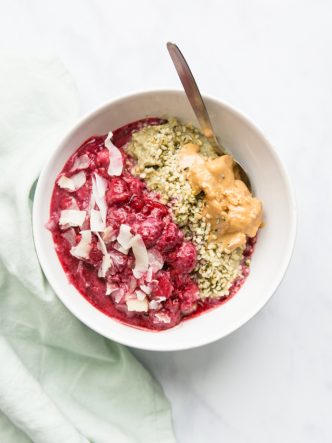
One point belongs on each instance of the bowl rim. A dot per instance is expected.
(277, 278)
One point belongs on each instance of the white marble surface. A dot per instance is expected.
(271, 381)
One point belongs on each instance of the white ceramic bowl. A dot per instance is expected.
(275, 241)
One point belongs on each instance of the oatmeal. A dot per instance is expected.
(133, 227)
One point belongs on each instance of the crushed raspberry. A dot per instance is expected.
(183, 259)
(136, 186)
(150, 229)
(172, 308)
(66, 202)
(119, 260)
(82, 196)
(103, 158)
(95, 256)
(118, 215)
(163, 286)
(136, 203)
(118, 191)
(171, 237)
(189, 297)
(154, 208)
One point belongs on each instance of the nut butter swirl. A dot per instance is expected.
(233, 212)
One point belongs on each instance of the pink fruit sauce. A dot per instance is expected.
(172, 292)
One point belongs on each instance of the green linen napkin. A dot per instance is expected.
(59, 381)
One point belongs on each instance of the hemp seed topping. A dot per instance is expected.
(156, 149)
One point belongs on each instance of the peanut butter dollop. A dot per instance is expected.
(232, 211)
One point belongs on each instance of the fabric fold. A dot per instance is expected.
(18, 390)
(59, 381)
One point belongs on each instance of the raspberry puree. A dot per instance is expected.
(168, 288)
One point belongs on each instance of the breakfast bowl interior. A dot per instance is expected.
(270, 184)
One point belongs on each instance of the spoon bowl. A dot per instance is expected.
(274, 245)
(197, 103)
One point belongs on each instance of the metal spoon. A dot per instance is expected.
(194, 96)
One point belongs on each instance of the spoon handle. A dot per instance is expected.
(192, 92)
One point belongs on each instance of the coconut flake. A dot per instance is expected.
(148, 276)
(146, 289)
(116, 162)
(156, 261)
(83, 248)
(73, 183)
(106, 262)
(105, 265)
(109, 234)
(99, 187)
(116, 292)
(118, 295)
(117, 259)
(132, 283)
(140, 295)
(70, 236)
(125, 236)
(79, 179)
(66, 183)
(141, 256)
(153, 304)
(96, 222)
(162, 318)
(137, 305)
(81, 162)
(71, 217)
(120, 248)
(160, 299)
(110, 288)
